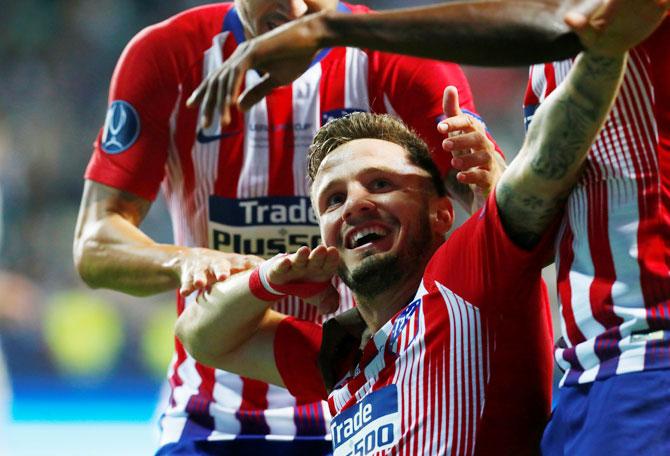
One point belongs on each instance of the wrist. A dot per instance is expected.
(263, 289)
(605, 54)
(175, 262)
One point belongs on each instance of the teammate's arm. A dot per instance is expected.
(477, 33)
(483, 32)
(532, 190)
(232, 329)
(110, 251)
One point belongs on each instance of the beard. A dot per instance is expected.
(372, 275)
(379, 272)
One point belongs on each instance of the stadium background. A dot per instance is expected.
(84, 369)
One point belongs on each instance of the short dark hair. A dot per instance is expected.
(362, 125)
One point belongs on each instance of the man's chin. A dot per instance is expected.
(373, 274)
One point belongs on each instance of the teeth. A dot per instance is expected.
(365, 232)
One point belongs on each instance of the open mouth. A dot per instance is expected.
(368, 235)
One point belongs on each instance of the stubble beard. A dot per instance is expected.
(381, 272)
(373, 275)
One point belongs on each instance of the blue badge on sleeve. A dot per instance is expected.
(122, 127)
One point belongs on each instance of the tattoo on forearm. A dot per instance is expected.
(526, 216)
(575, 117)
(560, 149)
(557, 144)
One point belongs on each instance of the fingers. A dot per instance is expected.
(578, 17)
(300, 258)
(575, 20)
(317, 265)
(222, 271)
(465, 142)
(456, 123)
(240, 263)
(256, 93)
(197, 94)
(230, 91)
(450, 104)
(218, 92)
(479, 159)
(196, 280)
(332, 261)
(209, 101)
(479, 177)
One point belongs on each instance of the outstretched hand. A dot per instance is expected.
(200, 268)
(611, 27)
(305, 265)
(474, 154)
(280, 56)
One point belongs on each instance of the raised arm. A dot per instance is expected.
(532, 190)
(490, 32)
(110, 251)
(477, 33)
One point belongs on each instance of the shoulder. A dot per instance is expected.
(181, 37)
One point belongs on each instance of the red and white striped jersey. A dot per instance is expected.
(244, 188)
(613, 260)
(464, 368)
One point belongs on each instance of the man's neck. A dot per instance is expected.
(379, 309)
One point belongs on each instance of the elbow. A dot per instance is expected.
(195, 341)
(83, 253)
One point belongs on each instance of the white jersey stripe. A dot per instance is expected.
(254, 176)
(464, 409)
(280, 412)
(173, 185)
(356, 84)
(306, 120)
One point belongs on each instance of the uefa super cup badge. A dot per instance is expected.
(122, 127)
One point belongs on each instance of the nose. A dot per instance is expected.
(358, 206)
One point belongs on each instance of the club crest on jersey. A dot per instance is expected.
(369, 426)
(401, 323)
(122, 127)
(336, 114)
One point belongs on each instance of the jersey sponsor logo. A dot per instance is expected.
(369, 426)
(262, 226)
(401, 323)
(204, 138)
(336, 114)
(122, 127)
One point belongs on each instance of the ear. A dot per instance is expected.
(442, 215)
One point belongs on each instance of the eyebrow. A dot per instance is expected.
(383, 169)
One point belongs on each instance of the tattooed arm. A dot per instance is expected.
(532, 190)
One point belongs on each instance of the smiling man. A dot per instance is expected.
(235, 194)
(454, 352)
